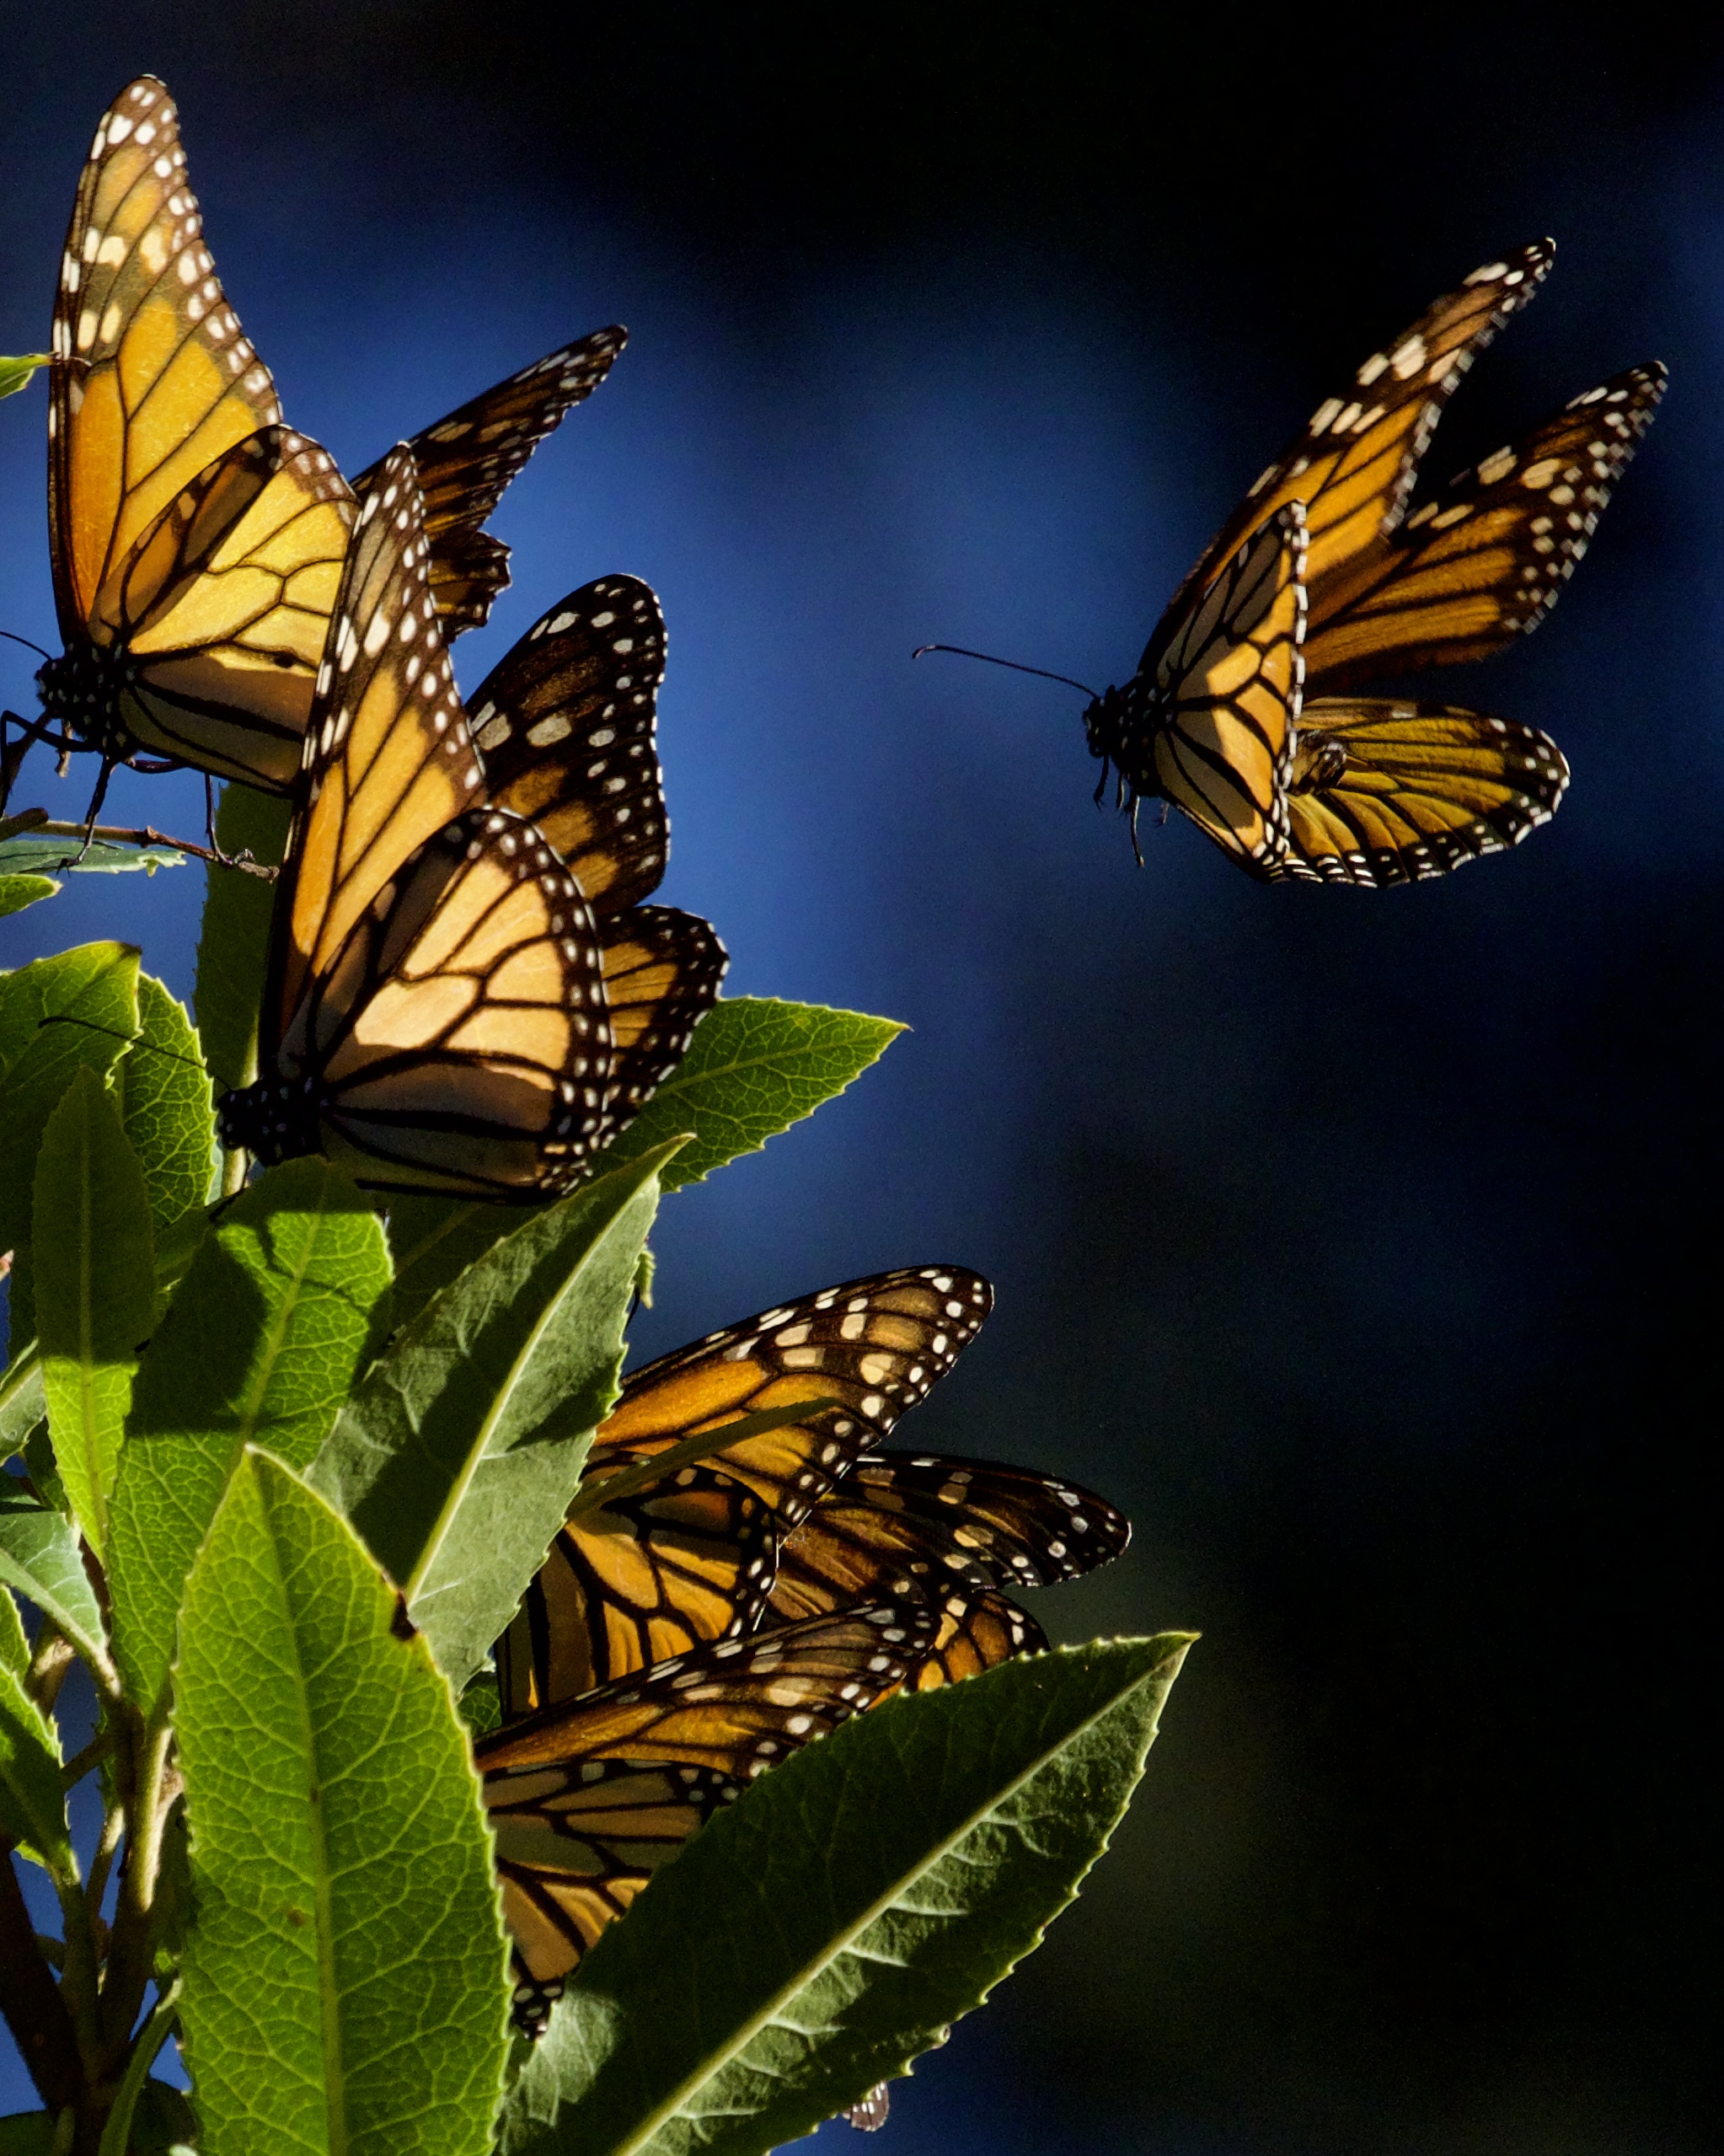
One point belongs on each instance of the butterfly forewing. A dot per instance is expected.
(1484, 561)
(899, 1522)
(469, 458)
(1390, 792)
(151, 377)
(389, 761)
(684, 1561)
(876, 1345)
(977, 1631)
(1354, 465)
(587, 1799)
(565, 724)
(1223, 713)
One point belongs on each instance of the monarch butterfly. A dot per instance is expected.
(587, 1798)
(1380, 792)
(196, 542)
(434, 1005)
(627, 1583)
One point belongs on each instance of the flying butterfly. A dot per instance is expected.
(197, 543)
(677, 1564)
(1376, 792)
(586, 1799)
(434, 1008)
(564, 724)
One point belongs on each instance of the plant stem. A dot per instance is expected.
(147, 2042)
(129, 1944)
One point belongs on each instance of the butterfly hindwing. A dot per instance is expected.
(1384, 792)
(467, 459)
(1484, 561)
(663, 969)
(682, 1561)
(977, 1632)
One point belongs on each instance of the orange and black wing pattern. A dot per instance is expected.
(1484, 561)
(434, 1010)
(565, 722)
(876, 1346)
(1354, 465)
(469, 458)
(1384, 792)
(977, 1631)
(587, 1798)
(682, 1561)
(1209, 720)
(196, 544)
(907, 1522)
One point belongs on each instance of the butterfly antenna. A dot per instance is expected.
(963, 651)
(25, 641)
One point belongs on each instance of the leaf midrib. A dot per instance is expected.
(673, 2103)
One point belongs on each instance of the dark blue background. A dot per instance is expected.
(1362, 1245)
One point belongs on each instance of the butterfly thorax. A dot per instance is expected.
(275, 1120)
(82, 688)
(1120, 724)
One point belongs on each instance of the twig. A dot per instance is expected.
(148, 835)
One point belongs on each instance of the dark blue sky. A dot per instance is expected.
(1361, 1245)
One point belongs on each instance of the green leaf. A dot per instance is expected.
(27, 2134)
(235, 938)
(14, 1646)
(754, 1067)
(40, 1558)
(262, 1342)
(77, 1010)
(481, 1704)
(18, 891)
(32, 1807)
(458, 1458)
(22, 1404)
(344, 1966)
(434, 1240)
(164, 1094)
(48, 853)
(15, 373)
(95, 1277)
(829, 1928)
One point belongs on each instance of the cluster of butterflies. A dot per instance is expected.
(465, 992)
(689, 1634)
(1245, 712)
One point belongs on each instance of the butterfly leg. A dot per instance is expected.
(1136, 848)
(94, 811)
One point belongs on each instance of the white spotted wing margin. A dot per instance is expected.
(828, 1927)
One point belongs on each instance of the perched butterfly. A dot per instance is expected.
(587, 1798)
(433, 1007)
(904, 1522)
(564, 725)
(1375, 792)
(469, 457)
(626, 1583)
(196, 542)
